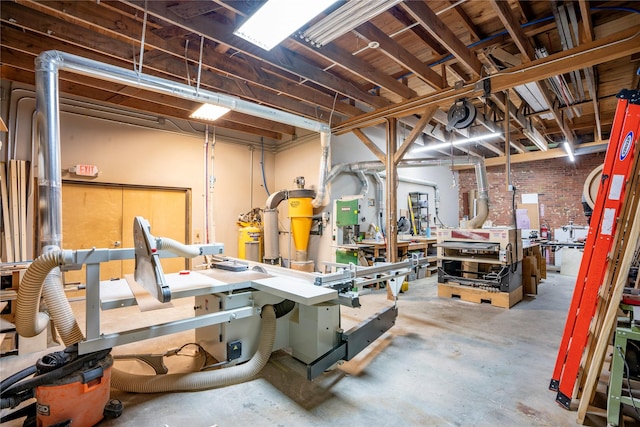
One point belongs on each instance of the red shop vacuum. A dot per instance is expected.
(69, 389)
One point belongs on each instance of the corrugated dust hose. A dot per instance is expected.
(194, 381)
(43, 278)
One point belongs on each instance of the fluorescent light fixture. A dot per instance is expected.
(278, 19)
(344, 19)
(209, 112)
(457, 142)
(535, 137)
(532, 96)
(569, 151)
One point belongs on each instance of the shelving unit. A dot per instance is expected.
(10, 343)
(9, 279)
(419, 208)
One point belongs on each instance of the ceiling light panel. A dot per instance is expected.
(344, 19)
(209, 112)
(278, 19)
(455, 143)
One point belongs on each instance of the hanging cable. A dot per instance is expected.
(264, 178)
(186, 61)
(200, 64)
(144, 32)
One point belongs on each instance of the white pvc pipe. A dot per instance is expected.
(321, 193)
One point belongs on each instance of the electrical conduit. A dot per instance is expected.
(135, 383)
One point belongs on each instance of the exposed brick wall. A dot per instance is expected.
(558, 183)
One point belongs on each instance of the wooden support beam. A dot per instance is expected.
(370, 145)
(524, 45)
(618, 45)
(507, 150)
(359, 67)
(233, 73)
(278, 57)
(625, 42)
(434, 25)
(399, 54)
(512, 25)
(392, 187)
(415, 132)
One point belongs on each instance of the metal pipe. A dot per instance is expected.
(379, 199)
(49, 172)
(73, 63)
(365, 183)
(47, 97)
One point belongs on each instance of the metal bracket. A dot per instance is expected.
(354, 341)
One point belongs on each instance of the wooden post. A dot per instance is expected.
(507, 142)
(392, 186)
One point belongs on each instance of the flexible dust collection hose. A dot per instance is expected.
(177, 248)
(135, 383)
(43, 278)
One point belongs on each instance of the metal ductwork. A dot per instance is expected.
(48, 121)
(481, 177)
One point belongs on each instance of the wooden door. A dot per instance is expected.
(102, 216)
(92, 217)
(166, 212)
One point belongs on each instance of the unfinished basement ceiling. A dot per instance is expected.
(399, 64)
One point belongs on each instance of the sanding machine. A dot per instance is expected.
(489, 258)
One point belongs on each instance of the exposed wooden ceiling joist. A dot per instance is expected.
(424, 46)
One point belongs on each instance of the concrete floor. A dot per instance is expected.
(445, 363)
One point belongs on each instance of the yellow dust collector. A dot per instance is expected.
(250, 243)
(300, 213)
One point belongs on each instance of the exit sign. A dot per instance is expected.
(85, 170)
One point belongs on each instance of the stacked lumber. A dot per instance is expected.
(14, 190)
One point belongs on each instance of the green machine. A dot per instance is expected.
(347, 215)
(347, 212)
(625, 365)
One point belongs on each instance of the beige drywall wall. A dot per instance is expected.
(237, 188)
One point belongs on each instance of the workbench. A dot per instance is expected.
(379, 249)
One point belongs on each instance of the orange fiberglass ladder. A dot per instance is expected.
(609, 200)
